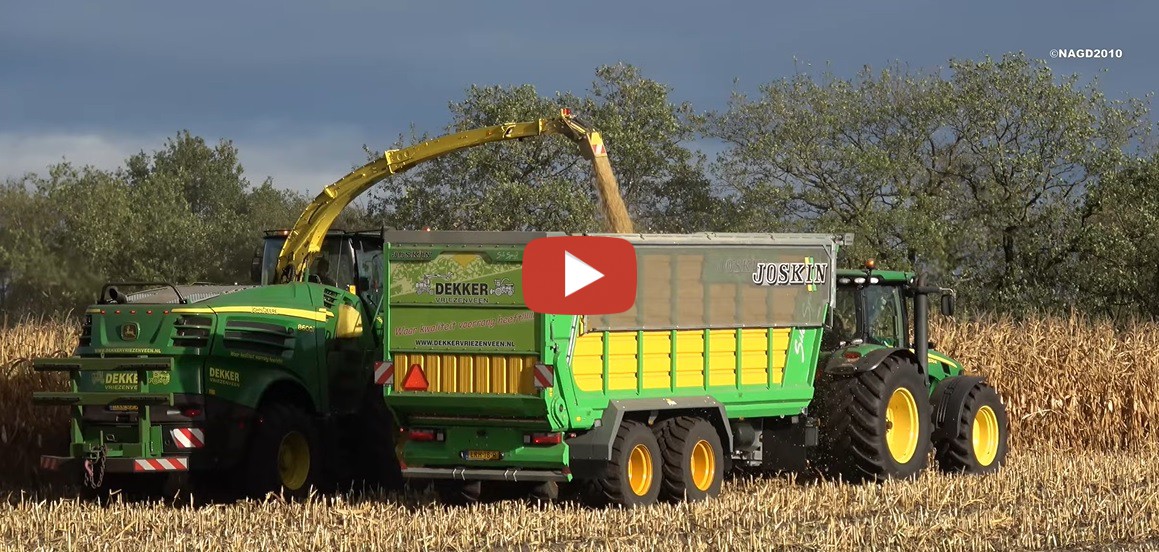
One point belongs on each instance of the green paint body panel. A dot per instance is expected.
(413, 271)
(228, 347)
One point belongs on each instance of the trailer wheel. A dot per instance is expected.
(875, 425)
(458, 492)
(693, 467)
(284, 453)
(979, 443)
(632, 477)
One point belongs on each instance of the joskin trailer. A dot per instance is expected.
(742, 351)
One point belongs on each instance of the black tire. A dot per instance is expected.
(959, 453)
(544, 492)
(854, 440)
(459, 493)
(693, 466)
(372, 444)
(284, 454)
(621, 483)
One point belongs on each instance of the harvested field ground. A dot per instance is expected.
(1041, 501)
(1081, 476)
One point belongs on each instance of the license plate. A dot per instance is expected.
(482, 455)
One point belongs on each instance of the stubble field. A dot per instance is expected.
(1081, 475)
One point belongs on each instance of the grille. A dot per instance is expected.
(192, 331)
(259, 337)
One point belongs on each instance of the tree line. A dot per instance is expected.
(1024, 189)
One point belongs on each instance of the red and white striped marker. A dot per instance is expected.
(187, 437)
(384, 372)
(544, 376)
(161, 464)
(599, 150)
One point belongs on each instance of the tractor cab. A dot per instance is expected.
(348, 260)
(882, 308)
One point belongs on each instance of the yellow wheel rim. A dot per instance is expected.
(901, 425)
(985, 436)
(702, 465)
(293, 460)
(640, 470)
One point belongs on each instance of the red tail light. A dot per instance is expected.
(852, 355)
(426, 435)
(543, 439)
(191, 412)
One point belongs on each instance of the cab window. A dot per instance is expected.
(883, 320)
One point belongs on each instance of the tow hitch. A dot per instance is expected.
(94, 466)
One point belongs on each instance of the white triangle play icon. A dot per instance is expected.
(577, 274)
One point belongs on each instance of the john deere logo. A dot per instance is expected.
(129, 331)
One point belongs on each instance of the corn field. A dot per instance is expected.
(1084, 416)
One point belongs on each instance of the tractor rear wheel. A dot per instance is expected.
(979, 443)
(693, 467)
(284, 454)
(632, 477)
(875, 425)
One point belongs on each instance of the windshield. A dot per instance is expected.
(844, 316)
(883, 315)
(872, 313)
(334, 265)
(369, 257)
(273, 247)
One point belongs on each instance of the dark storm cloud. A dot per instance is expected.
(283, 76)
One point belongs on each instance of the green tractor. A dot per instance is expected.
(878, 337)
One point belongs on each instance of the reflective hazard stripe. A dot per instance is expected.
(186, 437)
(544, 376)
(161, 464)
(384, 372)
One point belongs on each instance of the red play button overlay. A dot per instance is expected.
(579, 275)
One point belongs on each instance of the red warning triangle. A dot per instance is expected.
(415, 379)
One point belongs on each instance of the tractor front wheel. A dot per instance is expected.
(979, 442)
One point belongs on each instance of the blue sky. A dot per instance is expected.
(301, 86)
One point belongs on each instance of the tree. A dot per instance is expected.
(1119, 256)
(978, 175)
(183, 213)
(544, 183)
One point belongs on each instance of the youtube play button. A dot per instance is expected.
(579, 275)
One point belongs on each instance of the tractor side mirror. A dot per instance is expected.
(256, 267)
(947, 306)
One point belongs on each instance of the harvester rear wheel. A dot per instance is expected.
(284, 453)
(979, 443)
(372, 445)
(875, 425)
(693, 467)
(632, 477)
